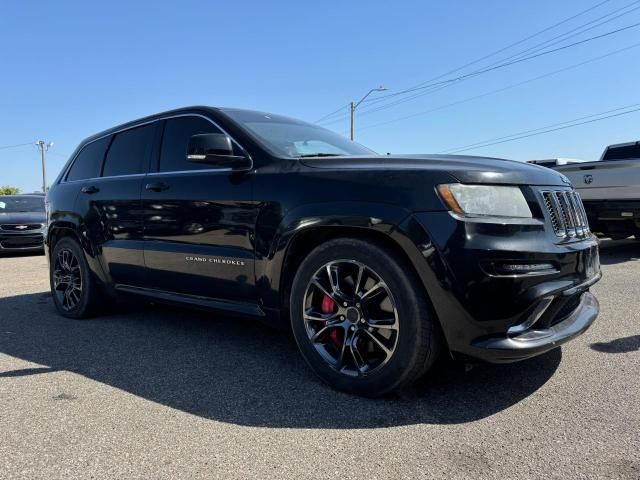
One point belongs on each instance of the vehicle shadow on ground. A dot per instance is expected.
(241, 372)
(619, 345)
(619, 251)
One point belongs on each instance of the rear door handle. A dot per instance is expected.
(157, 187)
(90, 189)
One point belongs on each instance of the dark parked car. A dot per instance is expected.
(22, 223)
(377, 263)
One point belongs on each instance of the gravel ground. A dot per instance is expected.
(154, 392)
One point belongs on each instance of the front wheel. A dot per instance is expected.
(360, 319)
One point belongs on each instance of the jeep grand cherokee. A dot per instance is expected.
(377, 263)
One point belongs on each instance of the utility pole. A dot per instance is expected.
(44, 148)
(354, 105)
(353, 114)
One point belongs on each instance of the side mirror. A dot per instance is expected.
(216, 149)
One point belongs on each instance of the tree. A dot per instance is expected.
(7, 190)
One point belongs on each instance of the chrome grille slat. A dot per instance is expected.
(566, 213)
(573, 213)
(551, 203)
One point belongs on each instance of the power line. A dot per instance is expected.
(344, 107)
(549, 128)
(425, 88)
(15, 146)
(445, 83)
(568, 19)
(579, 30)
(428, 83)
(519, 42)
(499, 90)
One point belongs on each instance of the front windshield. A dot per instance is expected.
(294, 138)
(21, 204)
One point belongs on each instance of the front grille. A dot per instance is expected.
(566, 213)
(20, 227)
(21, 242)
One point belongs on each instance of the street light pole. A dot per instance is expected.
(354, 105)
(44, 148)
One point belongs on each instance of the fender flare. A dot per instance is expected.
(93, 259)
(380, 218)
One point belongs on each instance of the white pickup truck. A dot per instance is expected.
(610, 190)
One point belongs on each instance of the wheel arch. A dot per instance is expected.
(390, 227)
(310, 238)
(60, 230)
(65, 229)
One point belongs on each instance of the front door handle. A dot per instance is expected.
(157, 187)
(90, 190)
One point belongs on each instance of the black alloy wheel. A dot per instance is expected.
(360, 317)
(76, 293)
(67, 279)
(350, 317)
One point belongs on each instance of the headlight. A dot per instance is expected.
(485, 200)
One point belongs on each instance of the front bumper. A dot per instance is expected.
(534, 341)
(21, 242)
(491, 315)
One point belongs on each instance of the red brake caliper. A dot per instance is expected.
(329, 306)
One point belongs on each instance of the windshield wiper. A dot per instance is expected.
(307, 155)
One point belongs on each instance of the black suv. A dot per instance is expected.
(377, 262)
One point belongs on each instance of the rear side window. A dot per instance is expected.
(88, 162)
(129, 152)
(177, 132)
(622, 153)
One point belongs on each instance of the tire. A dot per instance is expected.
(74, 289)
(339, 342)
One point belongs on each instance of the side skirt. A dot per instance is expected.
(250, 309)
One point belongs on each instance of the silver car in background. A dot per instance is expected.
(610, 190)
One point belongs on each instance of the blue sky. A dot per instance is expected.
(72, 68)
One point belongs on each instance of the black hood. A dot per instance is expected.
(466, 169)
(22, 218)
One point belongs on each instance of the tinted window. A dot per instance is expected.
(293, 138)
(88, 162)
(622, 153)
(129, 152)
(21, 204)
(177, 132)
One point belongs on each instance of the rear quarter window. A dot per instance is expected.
(89, 161)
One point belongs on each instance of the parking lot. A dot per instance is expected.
(155, 392)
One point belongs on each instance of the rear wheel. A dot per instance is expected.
(74, 290)
(359, 319)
